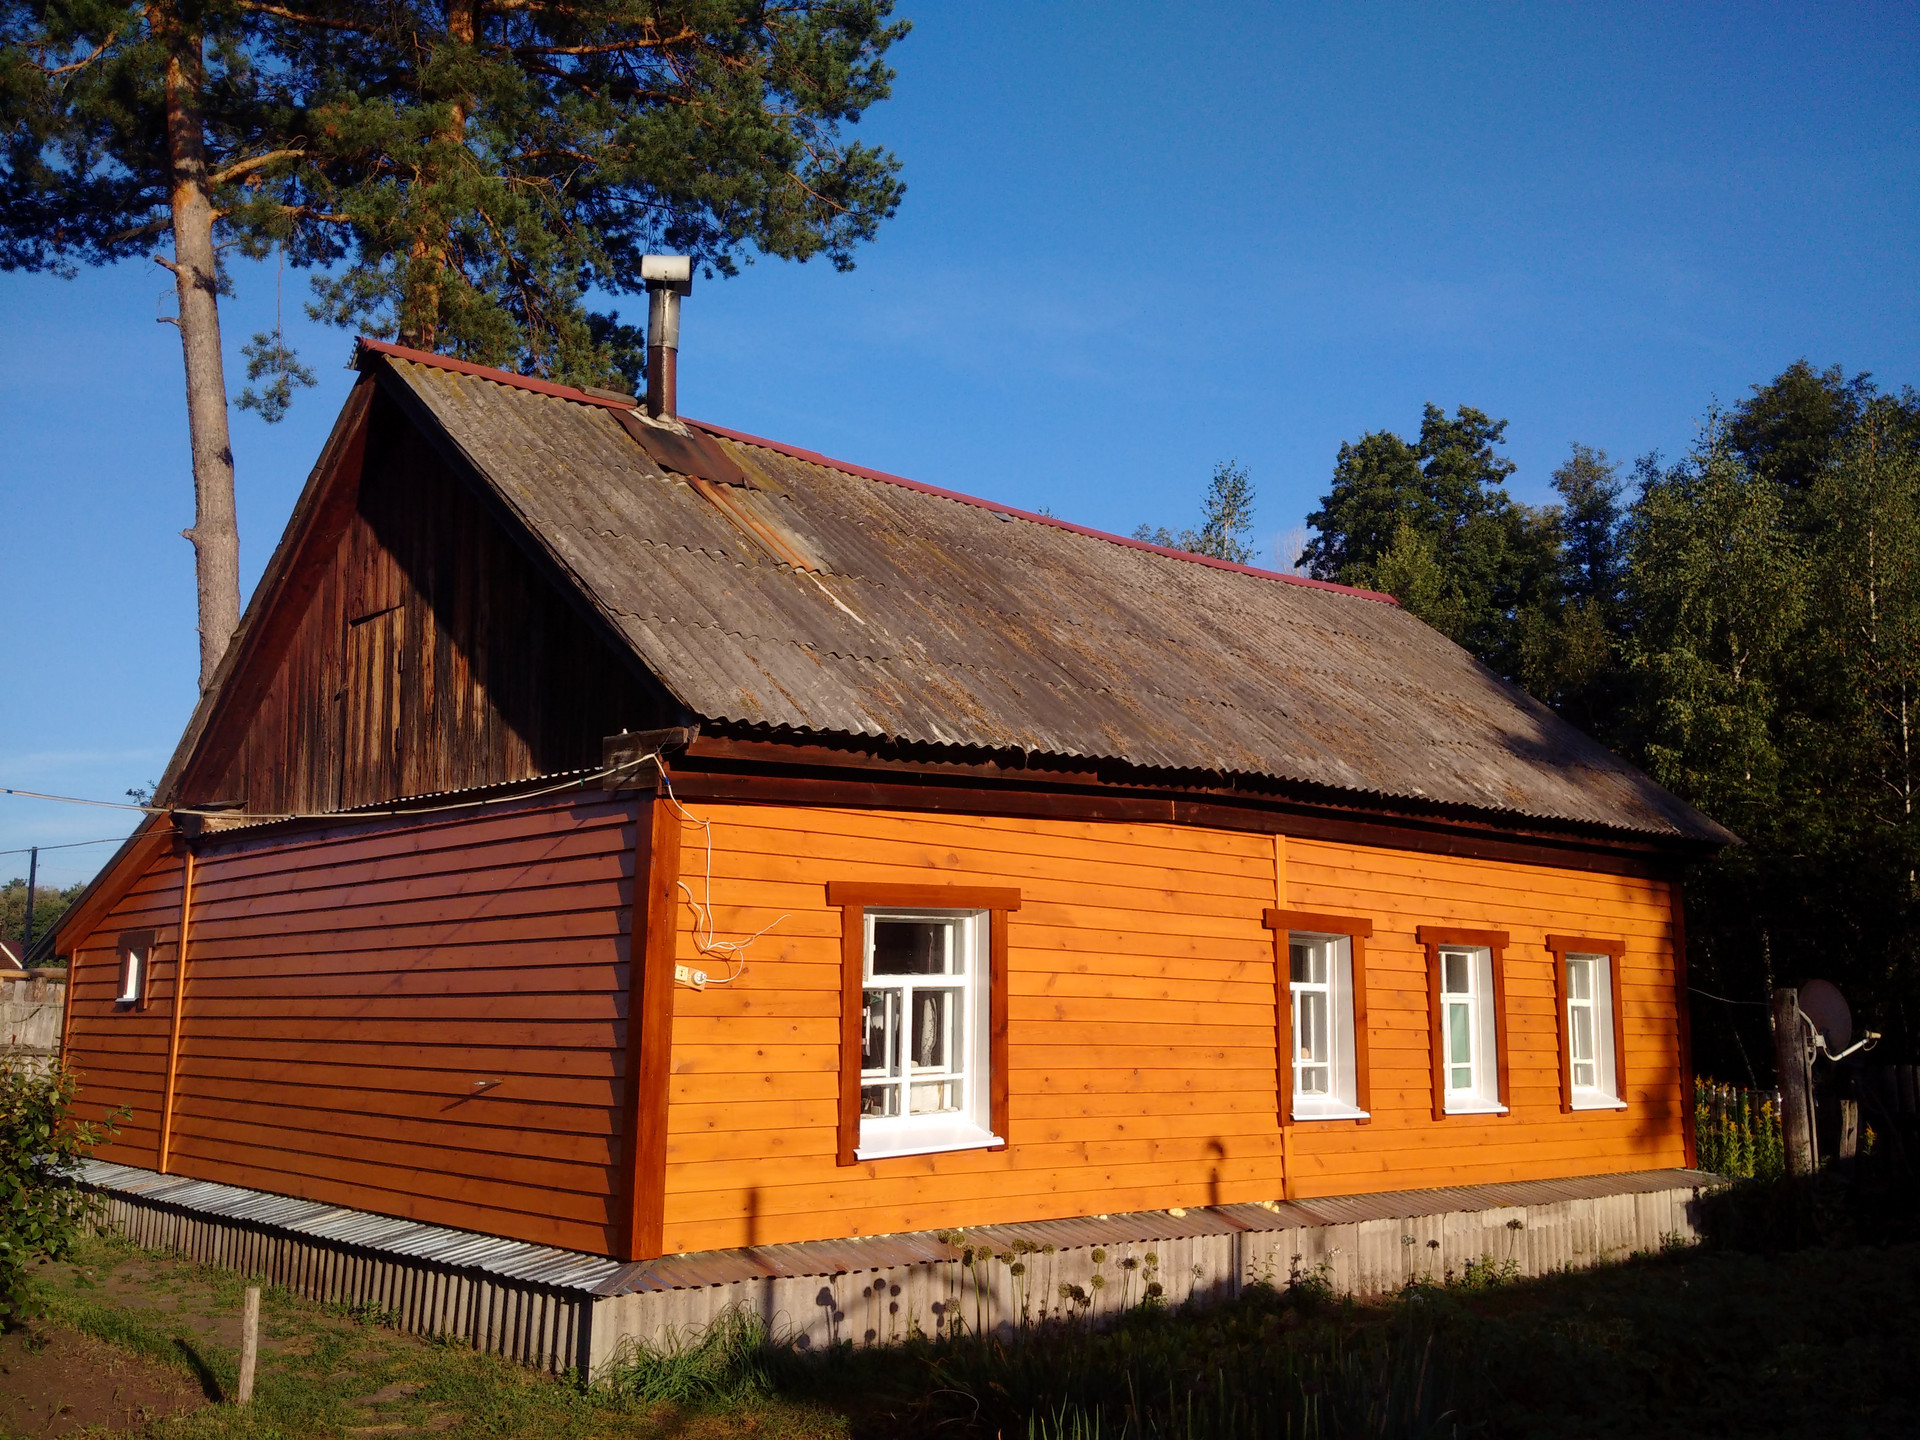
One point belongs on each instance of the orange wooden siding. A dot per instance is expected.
(1142, 1013)
(348, 989)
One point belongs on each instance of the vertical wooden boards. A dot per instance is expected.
(649, 1027)
(422, 652)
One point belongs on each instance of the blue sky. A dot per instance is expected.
(1136, 240)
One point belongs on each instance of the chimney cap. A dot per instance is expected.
(674, 270)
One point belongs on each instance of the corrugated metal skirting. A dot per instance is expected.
(544, 1326)
(563, 1311)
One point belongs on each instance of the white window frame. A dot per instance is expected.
(133, 972)
(1342, 1100)
(1602, 1093)
(970, 1127)
(1481, 1096)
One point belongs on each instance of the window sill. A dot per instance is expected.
(1475, 1107)
(969, 1139)
(1598, 1102)
(1333, 1111)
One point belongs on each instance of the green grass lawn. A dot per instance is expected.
(1821, 1342)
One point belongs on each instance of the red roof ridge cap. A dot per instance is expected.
(814, 457)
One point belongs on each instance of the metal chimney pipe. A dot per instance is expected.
(668, 277)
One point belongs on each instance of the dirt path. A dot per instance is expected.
(55, 1381)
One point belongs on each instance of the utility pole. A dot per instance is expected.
(1792, 1062)
(33, 882)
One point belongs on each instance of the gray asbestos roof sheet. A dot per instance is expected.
(934, 620)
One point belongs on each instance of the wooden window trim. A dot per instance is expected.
(1561, 946)
(1431, 938)
(141, 940)
(1357, 930)
(854, 899)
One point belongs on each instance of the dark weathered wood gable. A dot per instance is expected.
(424, 650)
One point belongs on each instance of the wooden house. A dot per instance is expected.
(612, 832)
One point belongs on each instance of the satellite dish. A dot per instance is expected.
(1823, 1004)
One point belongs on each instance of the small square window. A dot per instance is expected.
(924, 1050)
(1320, 997)
(130, 983)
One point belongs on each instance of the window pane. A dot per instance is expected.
(1457, 970)
(132, 960)
(1309, 961)
(880, 1100)
(914, 947)
(1580, 979)
(1460, 1043)
(1461, 1078)
(880, 1045)
(934, 1097)
(1300, 962)
(1582, 1032)
(935, 1041)
(1584, 1075)
(1312, 1034)
(1314, 1080)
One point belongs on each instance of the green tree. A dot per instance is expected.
(463, 173)
(1431, 523)
(1794, 426)
(1229, 519)
(49, 904)
(40, 1219)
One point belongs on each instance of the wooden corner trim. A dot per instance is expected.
(173, 1020)
(860, 894)
(1312, 920)
(1564, 945)
(1689, 1134)
(1431, 938)
(1283, 1022)
(1454, 935)
(649, 1057)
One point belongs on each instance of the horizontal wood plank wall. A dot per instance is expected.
(1142, 1014)
(432, 657)
(420, 1017)
(121, 1051)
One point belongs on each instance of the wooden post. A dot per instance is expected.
(1796, 1089)
(249, 1346)
(1848, 1143)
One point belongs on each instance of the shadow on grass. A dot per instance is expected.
(197, 1366)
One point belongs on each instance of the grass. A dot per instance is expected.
(1822, 1341)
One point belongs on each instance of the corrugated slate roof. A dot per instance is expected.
(936, 619)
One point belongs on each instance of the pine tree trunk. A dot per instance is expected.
(215, 533)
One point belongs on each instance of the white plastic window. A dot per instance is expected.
(1320, 969)
(1469, 1054)
(133, 968)
(1590, 1038)
(923, 1058)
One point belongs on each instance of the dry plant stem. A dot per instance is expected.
(215, 534)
